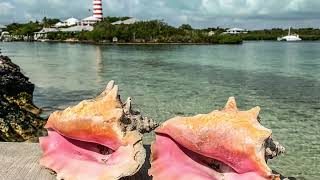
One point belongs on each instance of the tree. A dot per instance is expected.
(23, 29)
(48, 22)
(44, 20)
(186, 27)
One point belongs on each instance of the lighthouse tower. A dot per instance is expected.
(97, 9)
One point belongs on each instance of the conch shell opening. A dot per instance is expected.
(96, 139)
(225, 144)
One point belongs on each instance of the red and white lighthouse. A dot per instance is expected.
(97, 9)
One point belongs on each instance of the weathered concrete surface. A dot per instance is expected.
(19, 161)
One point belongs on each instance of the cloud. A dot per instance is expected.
(198, 13)
(26, 2)
(5, 8)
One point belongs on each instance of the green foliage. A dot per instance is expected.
(24, 29)
(272, 34)
(151, 31)
(47, 22)
(61, 35)
(156, 31)
(185, 27)
(225, 39)
(31, 27)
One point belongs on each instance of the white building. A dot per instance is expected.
(2, 27)
(72, 21)
(77, 28)
(44, 33)
(128, 21)
(60, 24)
(91, 20)
(236, 31)
(211, 33)
(115, 39)
(69, 22)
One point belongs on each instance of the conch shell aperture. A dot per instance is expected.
(223, 145)
(96, 139)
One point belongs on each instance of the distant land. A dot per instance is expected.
(149, 32)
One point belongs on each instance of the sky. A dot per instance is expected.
(248, 14)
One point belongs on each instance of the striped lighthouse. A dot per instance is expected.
(97, 9)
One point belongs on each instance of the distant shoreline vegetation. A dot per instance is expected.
(152, 32)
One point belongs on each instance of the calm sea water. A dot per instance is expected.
(170, 80)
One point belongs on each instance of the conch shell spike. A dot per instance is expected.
(255, 112)
(108, 89)
(110, 86)
(127, 105)
(231, 104)
(113, 94)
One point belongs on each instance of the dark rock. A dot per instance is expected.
(19, 117)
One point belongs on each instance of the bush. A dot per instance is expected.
(225, 39)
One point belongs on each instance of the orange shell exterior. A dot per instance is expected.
(229, 135)
(97, 120)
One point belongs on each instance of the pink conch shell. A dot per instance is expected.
(227, 144)
(96, 139)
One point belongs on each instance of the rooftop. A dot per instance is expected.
(91, 18)
(236, 29)
(128, 21)
(47, 30)
(71, 20)
(77, 29)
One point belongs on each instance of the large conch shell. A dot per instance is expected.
(223, 145)
(96, 139)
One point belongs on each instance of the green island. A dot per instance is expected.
(151, 32)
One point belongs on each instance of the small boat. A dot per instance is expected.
(290, 37)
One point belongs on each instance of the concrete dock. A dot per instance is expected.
(20, 161)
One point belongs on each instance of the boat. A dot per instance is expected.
(290, 37)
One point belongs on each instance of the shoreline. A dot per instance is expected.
(154, 43)
(121, 43)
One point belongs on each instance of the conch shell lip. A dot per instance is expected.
(86, 145)
(113, 142)
(212, 163)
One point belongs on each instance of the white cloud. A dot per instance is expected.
(5, 8)
(26, 2)
(199, 13)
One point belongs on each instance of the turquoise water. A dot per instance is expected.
(170, 80)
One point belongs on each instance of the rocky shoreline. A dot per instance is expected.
(19, 118)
